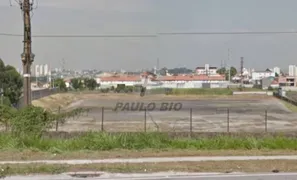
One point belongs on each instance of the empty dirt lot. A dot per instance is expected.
(209, 114)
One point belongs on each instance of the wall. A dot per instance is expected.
(192, 84)
(268, 93)
(288, 88)
(37, 94)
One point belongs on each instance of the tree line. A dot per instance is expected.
(11, 84)
(76, 84)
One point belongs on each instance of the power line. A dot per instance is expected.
(151, 35)
(81, 36)
(231, 33)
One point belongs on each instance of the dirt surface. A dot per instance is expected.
(207, 166)
(209, 114)
(35, 155)
(238, 113)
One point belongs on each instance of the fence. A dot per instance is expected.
(188, 120)
(37, 94)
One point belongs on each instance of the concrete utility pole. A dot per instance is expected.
(27, 55)
(229, 58)
(241, 72)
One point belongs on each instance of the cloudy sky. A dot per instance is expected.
(130, 17)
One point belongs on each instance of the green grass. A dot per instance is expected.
(101, 141)
(290, 106)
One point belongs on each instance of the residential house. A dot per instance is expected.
(206, 70)
(258, 75)
(288, 81)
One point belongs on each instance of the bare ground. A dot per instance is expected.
(13, 155)
(209, 113)
(208, 166)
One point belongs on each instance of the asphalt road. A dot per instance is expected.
(279, 176)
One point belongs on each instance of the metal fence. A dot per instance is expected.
(185, 120)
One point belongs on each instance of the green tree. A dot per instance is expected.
(224, 71)
(221, 71)
(91, 84)
(7, 113)
(276, 75)
(163, 71)
(11, 82)
(76, 83)
(60, 83)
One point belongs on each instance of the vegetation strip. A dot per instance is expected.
(211, 166)
(97, 141)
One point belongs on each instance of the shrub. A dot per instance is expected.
(31, 121)
(7, 113)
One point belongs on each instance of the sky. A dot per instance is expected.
(131, 17)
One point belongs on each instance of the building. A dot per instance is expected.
(37, 70)
(46, 70)
(180, 81)
(277, 70)
(258, 75)
(41, 72)
(206, 70)
(288, 81)
(292, 70)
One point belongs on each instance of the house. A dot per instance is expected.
(258, 75)
(288, 81)
(206, 70)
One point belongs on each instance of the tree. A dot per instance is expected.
(7, 113)
(221, 71)
(224, 71)
(163, 71)
(180, 71)
(60, 83)
(276, 75)
(91, 84)
(76, 83)
(11, 82)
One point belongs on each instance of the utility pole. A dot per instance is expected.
(241, 72)
(229, 58)
(27, 56)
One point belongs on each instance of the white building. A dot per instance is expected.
(46, 70)
(258, 75)
(37, 70)
(277, 70)
(206, 70)
(41, 72)
(292, 70)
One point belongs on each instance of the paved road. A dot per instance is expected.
(279, 176)
(155, 160)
